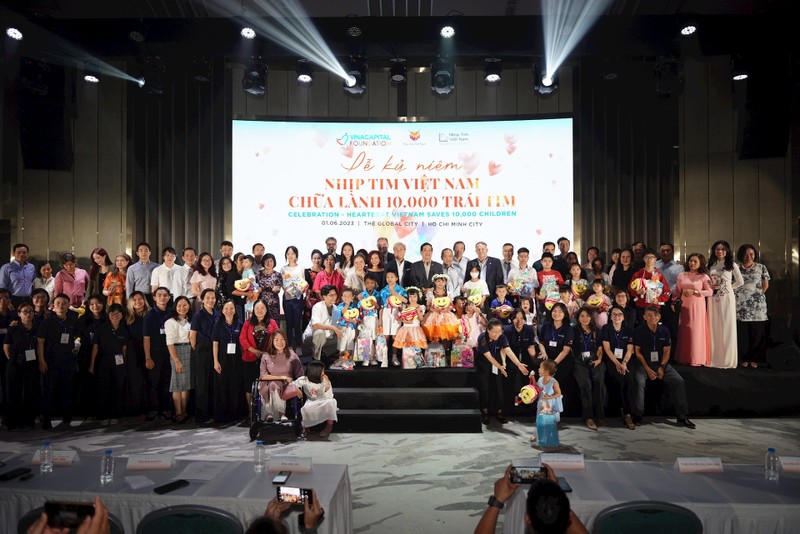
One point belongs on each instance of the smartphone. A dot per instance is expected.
(527, 474)
(14, 473)
(281, 477)
(293, 496)
(562, 483)
(172, 486)
(65, 514)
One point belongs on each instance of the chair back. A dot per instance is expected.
(33, 516)
(652, 517)
(189, 519)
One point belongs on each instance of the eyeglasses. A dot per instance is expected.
(26, 312)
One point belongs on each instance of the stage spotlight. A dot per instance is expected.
(201, 71)
(398, 74)
(544, 83)
(254, 80)
(493, 71)
(248, 33)
(140, 82)
(14, 33)
(305, 74)
(91, 74)
(447, 31)
(356, 82)
(443, 74)
(354, 31)
(688, 29)
(738, 68)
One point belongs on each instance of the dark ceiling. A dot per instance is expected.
(175, 30)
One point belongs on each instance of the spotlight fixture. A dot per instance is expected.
(14, 33)
(254, 80)
(398, 74)
(738, 69)
(447, 31)
(356, 83)
(136, 36)
(544, 82)
(443, 74)
(248, 33)
(305, 74)
(201, 70)
(140, 82)
(493, 71)
(91, 74)
(609, 76)
(688, 29)
(354, 31)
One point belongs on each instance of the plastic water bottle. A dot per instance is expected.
(771, 466)
(46, 458)
(259, 457)
(107, 468)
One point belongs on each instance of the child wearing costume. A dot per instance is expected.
(410, 334)
(348, 322)
(320, 406)
(501, 307)
(369, 303)
(392, 298)
(248, 283)
(550, 398)
(440, 323)
(599, 303)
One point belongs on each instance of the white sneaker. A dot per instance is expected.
(385, 363)
(395, 361)
(365, 363)
(284, 419)
(374, 362)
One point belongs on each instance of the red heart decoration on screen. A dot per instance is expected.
(494, 168)
(403, 231)
(348, 151)
(511, 149)
(538, 231)
(510, 139)
(261, 205)
(470, 162)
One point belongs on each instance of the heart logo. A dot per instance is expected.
(470, 162)
(348, 151)
(402, 227)
(550, 155)
(494, 168)
(538, 231)
(261, 205)
(320, 138)
(510, 139)
(511, 149)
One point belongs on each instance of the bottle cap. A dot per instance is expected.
(770, 450)
(108, 451)
(259, 442)
(45, 444)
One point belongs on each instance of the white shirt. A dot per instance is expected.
(186, 275)
(670, 271)
(171, 278)
(177, 332)
(400, 265)
(454, 279)
(320, 315)
(462, 267)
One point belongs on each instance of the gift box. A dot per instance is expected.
(363, 349)
(381, 350)
(435, 356)
(456, 353)
(467, 357)
(547, 430)
(412, 358)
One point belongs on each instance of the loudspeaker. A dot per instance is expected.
(786, 357)
(45, 129)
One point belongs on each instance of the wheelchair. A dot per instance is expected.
(275, 431)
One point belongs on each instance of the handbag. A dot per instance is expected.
(289, 392)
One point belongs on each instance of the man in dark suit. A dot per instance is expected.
(491, 271)
(422, 271)
(383, 250)
(400, 266)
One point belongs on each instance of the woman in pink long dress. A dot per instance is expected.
(694, 340)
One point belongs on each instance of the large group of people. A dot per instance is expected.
(132, 338)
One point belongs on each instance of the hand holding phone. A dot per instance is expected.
(294, 496)
(527, 474)
(66, 514)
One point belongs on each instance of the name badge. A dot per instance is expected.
(554, 343)
(586, 355)
(162, 331)
(618, 353)
(30, 355)
(91, 336)
(495, 371)
(654, 356)
(64, 339)
(231, 348)
(119, 359)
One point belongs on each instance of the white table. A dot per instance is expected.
(738, 500)
(237, 489)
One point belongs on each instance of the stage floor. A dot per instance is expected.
(407, 482)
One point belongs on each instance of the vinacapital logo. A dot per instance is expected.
(364, 140)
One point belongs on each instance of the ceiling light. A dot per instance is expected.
(354, 31)
(14, 33)
(254, 81)
(493, 71)
(140, 82)
(608, 76)
(447, 32)
(136, 36)
(398, 74)
(91, 73)
(305, 74)
(689, 29)
(443, 75)
(544, 83)
(356, 82)
(740, 76)
(248, 33)
(738, 68)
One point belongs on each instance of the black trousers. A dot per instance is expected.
(752, 340)
(136, 392)
(202, 367)
(620, 388)
(591, 386)
(24, 391)
(58, 379)
(158, 397)
(490, 387)
(111, 386)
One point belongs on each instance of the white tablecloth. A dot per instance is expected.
(738, 500)
(237, 489)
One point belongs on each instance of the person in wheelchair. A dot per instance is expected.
(280, 366)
